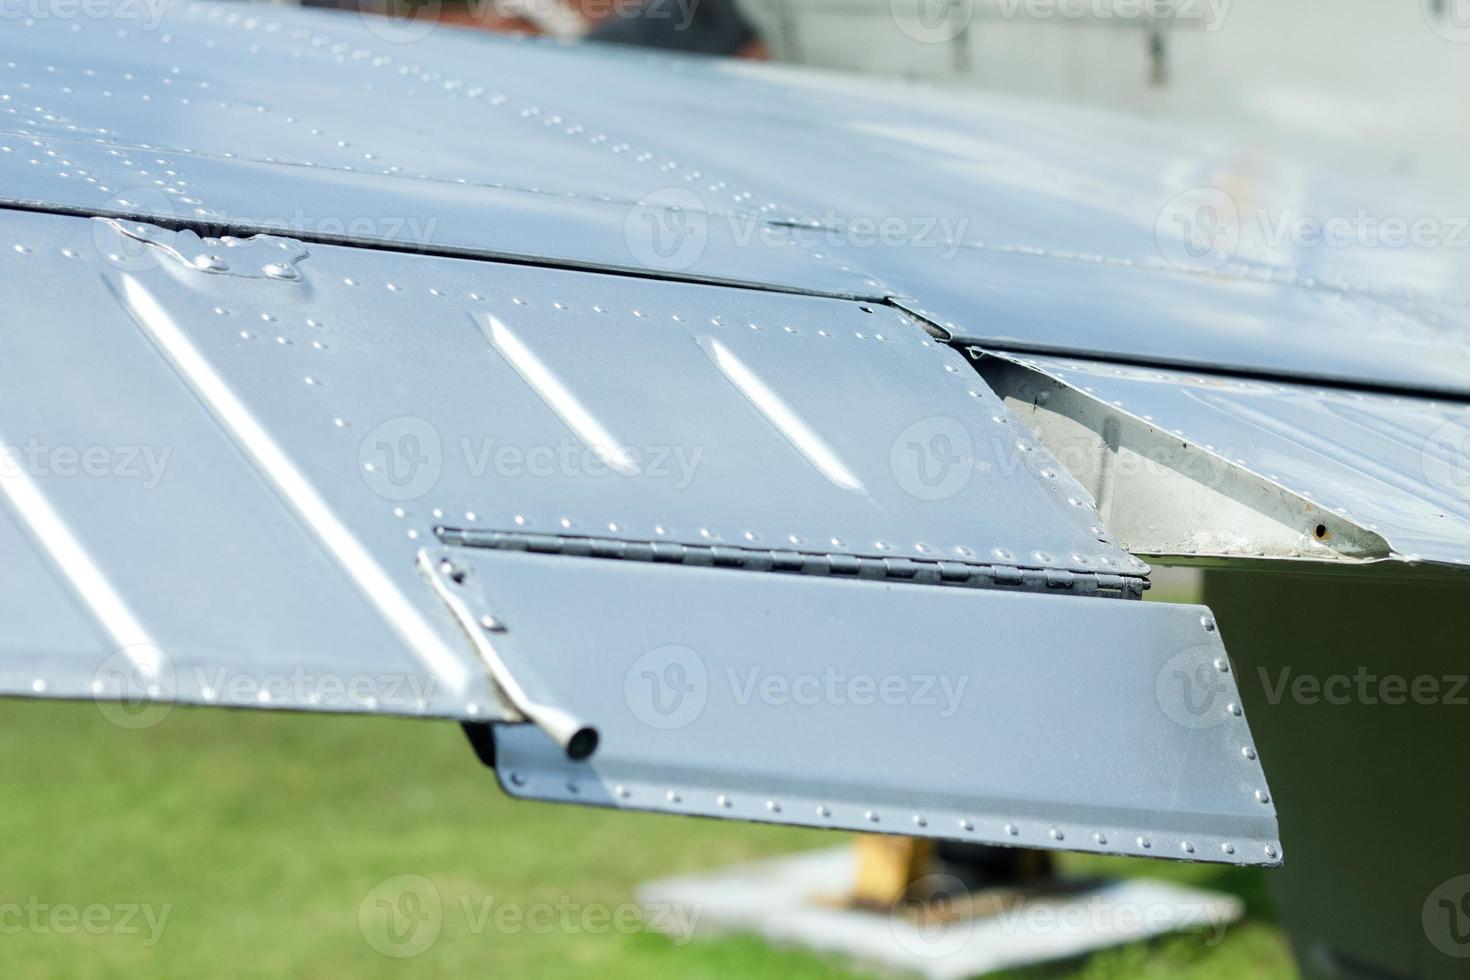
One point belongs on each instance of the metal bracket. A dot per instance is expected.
(519, 682)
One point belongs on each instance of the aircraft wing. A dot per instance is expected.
(733, 445)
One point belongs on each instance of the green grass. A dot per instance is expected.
(263, 832)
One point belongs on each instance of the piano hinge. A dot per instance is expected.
(973, 575)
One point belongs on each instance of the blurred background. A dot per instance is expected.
(1384, 77)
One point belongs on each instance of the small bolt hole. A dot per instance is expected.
(1320, 532)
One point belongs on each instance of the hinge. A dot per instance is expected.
(943, 572)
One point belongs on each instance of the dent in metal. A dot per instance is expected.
(255, 257)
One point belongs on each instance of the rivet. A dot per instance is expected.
(1013, 830)
(492, 624)
(1208, 622)
(724, 801)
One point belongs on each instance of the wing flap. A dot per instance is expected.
(1011, 718)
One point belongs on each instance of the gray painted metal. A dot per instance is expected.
(287, 426)
(1212, 466)
(207, 565)
(1013, 301)
(1015, 719)
(327, 127)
